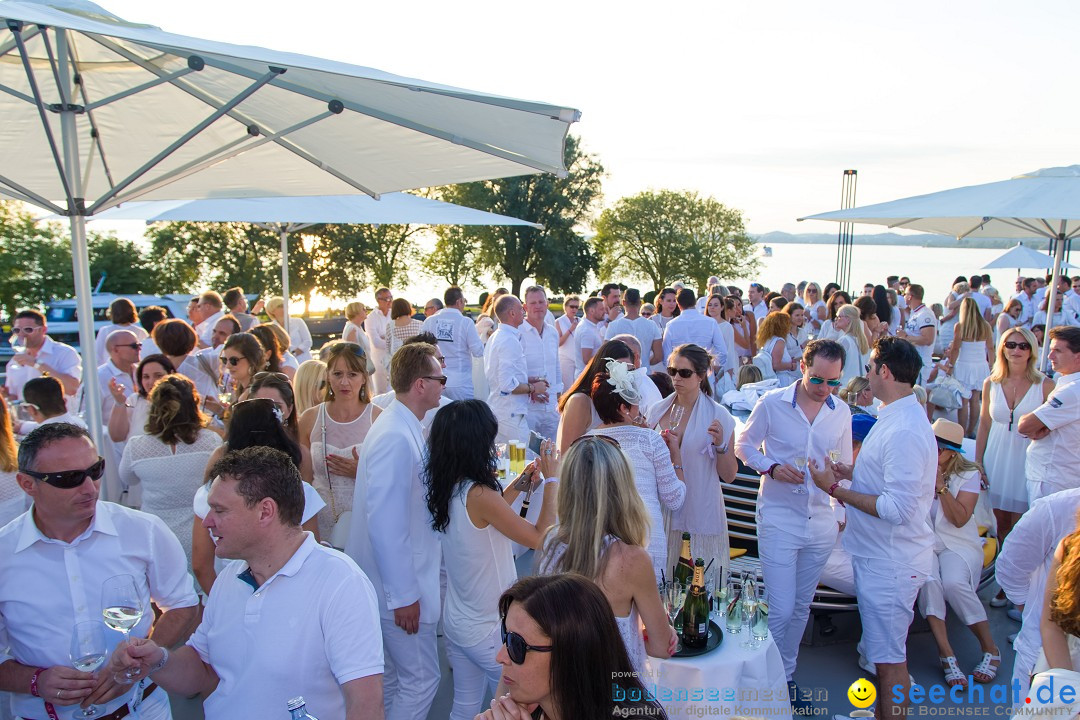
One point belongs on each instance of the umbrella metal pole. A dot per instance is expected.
(80, 260)
(283, 233)
(1051, 295)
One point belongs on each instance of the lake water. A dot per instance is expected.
(933, 268)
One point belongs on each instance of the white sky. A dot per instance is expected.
(759, 104)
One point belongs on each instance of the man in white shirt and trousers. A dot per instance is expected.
(693, 327)
(796, 521)
(892, 489)
(1053, 455)
(540, 342)
(458, 342)
(57, 556)
(376, 326)
(510, 390)
(391, 536)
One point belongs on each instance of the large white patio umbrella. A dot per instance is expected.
(287, 215)
(1044, 203)
(98, 111)
(1021, 256)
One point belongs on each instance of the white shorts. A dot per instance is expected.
(886, 593)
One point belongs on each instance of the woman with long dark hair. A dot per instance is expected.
(129, 413)
(467, 503)
(275, 361)
(241, 357)
(577, 414)
(561, 655)
(256, 422)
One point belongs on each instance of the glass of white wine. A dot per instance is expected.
(834, 455)
(760, 626)
(800, 464)
(122, 608)
(87, 655)
(675, 416)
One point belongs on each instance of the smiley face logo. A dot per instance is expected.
(862, 693)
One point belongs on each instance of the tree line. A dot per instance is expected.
(660, 236)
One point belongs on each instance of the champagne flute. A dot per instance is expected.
(800, 463)
(87, 654)
(122, 609)
(748, 600)
(225, 389)
(675, 417)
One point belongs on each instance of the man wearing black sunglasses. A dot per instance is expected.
(57, 556)
(796, 524)
(40, 356)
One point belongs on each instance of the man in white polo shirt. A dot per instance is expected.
(288, 617)
(1053, 455)
(920, 330)
(892, 489)
(796, 523)
(458, 342)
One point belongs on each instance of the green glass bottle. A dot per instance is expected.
(684, 574)
(696, 610)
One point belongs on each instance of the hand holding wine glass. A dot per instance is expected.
(675, 416)
(122, 609)
(87, 654)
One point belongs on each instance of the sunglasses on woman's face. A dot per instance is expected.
(68, 479)
(815, 380)
(1010, 345)
(516, 647)
(681, 372)
(230, 361)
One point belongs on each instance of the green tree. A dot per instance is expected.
(124, 265)
(193, 256)
(556, 255)
(35, 260)
(454, 257)
(367, 255)
(665, 235)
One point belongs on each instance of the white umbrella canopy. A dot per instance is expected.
(1022, 257)
(1044, 203)
(290, 214)
(98, 111)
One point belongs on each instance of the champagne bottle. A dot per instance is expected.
(684, 573)
(696, 610)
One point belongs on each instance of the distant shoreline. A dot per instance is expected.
(922, 240)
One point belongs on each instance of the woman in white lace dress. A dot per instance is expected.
(602, 534)
(333, 432)
(129, 414)
(658, 483)
(169, 461)
(402, 325)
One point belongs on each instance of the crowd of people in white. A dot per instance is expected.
(302, 521)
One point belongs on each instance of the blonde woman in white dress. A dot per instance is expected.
(971, 352)
(851, 335)
(333, 433)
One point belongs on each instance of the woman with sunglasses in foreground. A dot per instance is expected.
(469, 506)
(259, 421)
(169, 461)
(616, 396)
(333, 432)
(704, 432)
(561, 656)
(602, 534)
(1013, 389)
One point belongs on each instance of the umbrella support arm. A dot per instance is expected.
(31, 197)
(283, 234)
(1051, 295)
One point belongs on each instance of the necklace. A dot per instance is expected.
(1017, 396)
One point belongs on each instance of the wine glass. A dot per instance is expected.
(722, 583)
(122, 608)
(759, 628)
(800, 464)
(834, 455)
(748, 600)
(225, 389)
(87, 654)
(733, 611)
(675, 416)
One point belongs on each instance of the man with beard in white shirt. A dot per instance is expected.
(796, 521)
(648, 334)
(540, 342)
(892, 489)
(458, 341)
(510, 388)
(391, 536)
(376, 327)
(588, 335)
(1053, 455)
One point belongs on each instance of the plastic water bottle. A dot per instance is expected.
(298, 709)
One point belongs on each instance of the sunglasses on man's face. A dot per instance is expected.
(133, 346)
(681, 372)
(516, 647)
(24, 330)
(68, 479)
(815, 380)
(441, 379)
(1010, 345)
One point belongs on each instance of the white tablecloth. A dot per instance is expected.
(736, 681)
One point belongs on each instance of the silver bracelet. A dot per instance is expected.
(161, 663)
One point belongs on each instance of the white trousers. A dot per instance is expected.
(411, 671)
(791, 563)
(544, 418)
(475, 673)
(950, 582)
(512, 427)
